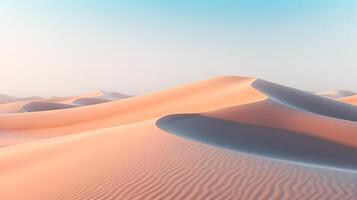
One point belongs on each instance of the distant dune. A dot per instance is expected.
(223, 138)
(15, 105)
(89, 101)
(45, 106)
(336, 93)
(8, 99)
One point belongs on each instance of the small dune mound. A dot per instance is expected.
(334, 94)
(89, 101)
(113, 95)
(44, 106)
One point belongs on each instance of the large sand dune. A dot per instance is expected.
(126, 150)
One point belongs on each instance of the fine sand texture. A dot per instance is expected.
(222, 138)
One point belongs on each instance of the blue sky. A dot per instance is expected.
(65, 47)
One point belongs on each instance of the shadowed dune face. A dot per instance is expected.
(260, 140)
(273, 114)
(45, 106)
(305, 101)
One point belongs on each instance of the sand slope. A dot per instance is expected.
(115, 150)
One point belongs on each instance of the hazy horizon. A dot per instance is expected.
(54, 48)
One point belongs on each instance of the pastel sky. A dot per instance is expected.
(68, 47)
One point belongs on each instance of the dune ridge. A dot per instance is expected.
(306, 101)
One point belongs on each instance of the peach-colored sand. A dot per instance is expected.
(115, 150)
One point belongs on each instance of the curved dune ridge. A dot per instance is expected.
(306, 101)
(265, 141)
(125, 150)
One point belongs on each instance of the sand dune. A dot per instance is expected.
(126, 150)
(9, 99)
(260, 140)
(15, 105)
(12, 107)
(334, 94)
(277, 126)
(305, 101)
(89, 101)
(217, 92)
(113, 95)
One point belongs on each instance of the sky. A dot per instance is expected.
(65, 47)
